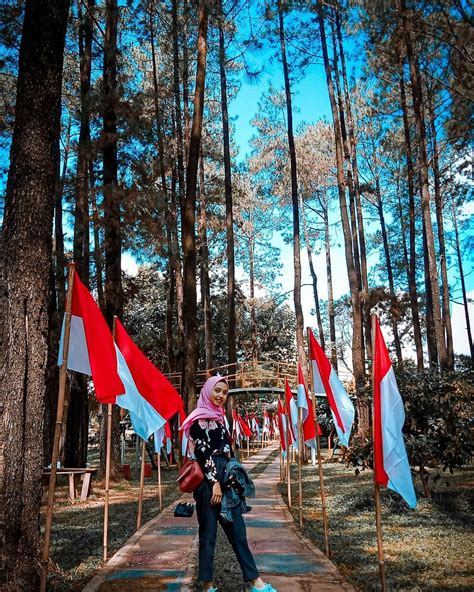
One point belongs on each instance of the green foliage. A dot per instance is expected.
(438, 416)
(438, 422)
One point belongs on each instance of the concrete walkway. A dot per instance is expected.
(161, 556)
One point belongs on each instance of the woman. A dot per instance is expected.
(209, 441)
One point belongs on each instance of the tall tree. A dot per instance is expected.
(76, 408)
(111, 204)
(188, 215)
(27, 243)
(446, 314)
(229, 217)
(410, 172)
(294, 196)
(358, 362)
(204, 265)
(417, 93)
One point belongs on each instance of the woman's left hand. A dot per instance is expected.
(216, 494)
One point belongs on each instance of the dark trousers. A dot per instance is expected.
(208, 517)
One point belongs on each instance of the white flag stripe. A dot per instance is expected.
(318, 383)
(159, 437)
(78, 354)
(395, 458)
(344, 406)
(302, 402)
(294, 422)
(145, 419)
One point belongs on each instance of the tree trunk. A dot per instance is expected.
(229, 219)
(332, 322)
(204, 258)
(177, 102)
(76, 407)
(358, 205)
(314, 277)
(442, 246)
(113, 246)
(178, 274)
(430, 330)
(253, 313)
(358, 362)
(295, 200)
(96, 222)
(393, 297)
(411, 270)
(425, 192)
(463, 282)
(27, 249)
(58, 299)
(186, 79)
(188, 216)
(81, 210)
(170, 303)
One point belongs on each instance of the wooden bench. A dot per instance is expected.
(85, 474)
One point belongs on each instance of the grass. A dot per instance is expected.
(426, 549)
(76, 545)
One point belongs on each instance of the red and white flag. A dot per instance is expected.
(162, 437)
(391, 465)
(282, 427)
(150, 382)
(307, 415)
(91, 346)
(244, 426)
(292, 414)
(118, 376)
(327, 381)
(236, 427)
(255, 426)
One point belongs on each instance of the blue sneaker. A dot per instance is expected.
(267, 588)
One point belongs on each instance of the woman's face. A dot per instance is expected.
(218, 397)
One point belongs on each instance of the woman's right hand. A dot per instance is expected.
(216, 494)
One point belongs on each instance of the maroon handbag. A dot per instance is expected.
(190, 476)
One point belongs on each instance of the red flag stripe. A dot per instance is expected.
(381, 364)
(325, 369)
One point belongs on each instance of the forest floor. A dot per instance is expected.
(426, 549)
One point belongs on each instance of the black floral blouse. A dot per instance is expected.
(210, 437)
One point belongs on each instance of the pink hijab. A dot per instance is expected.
(205, 409)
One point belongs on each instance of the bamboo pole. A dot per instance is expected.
(320, 467)
(57, 433)
(378, 512)
(160, 496)
(142, 481)
(300, 454)
(288, 469)
(248, 446)
(108, 450)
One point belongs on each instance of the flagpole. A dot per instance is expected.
(108, 453)
(300, 453)
(288, 469)
(160, 497)
(108, 450)
(142, 481)
(378, 512)
(57, 433)
(320, 464)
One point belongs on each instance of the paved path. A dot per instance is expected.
(161, 555)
